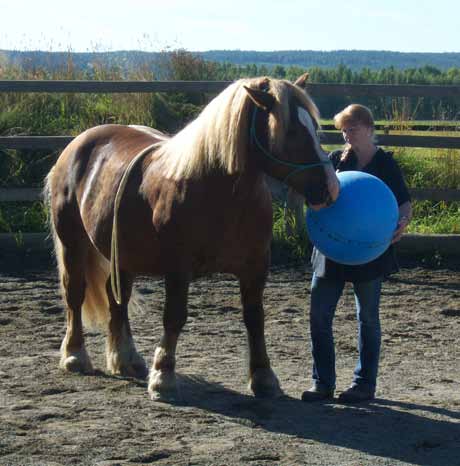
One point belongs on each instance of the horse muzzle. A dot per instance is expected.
(319, 200)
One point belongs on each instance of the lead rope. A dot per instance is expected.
(114, 259)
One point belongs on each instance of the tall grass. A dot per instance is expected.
(432, 168)
(289, 239)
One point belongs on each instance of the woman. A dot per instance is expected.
(329, 278)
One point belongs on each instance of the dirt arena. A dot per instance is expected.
(51, 418)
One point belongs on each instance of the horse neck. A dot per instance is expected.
(239, 186)
(249, 184)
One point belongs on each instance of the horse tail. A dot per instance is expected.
(47, 196)
(95, 307)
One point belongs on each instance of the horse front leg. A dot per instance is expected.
(162, 381)
(121, 354)
(262, 380)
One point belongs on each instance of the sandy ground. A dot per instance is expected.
(49, 418)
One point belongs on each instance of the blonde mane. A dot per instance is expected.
(219, 137)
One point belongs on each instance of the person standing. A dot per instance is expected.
(359, 153)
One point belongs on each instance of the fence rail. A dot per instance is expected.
(315, 89)
(410, 244)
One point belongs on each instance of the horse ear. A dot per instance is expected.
(262, 99)
(301, 81)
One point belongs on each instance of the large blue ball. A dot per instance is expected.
(359, 226)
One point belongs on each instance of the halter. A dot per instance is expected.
(298, 167)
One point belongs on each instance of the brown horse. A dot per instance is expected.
(192, 204)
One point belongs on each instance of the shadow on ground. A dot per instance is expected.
(393, 429)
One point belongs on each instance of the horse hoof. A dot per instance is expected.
(132, 366)
(172, 396)
(264, 384)
(76, 364)
(163, 386)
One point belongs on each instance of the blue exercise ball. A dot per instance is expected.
(358, 227)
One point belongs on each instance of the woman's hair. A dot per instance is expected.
(354, 114)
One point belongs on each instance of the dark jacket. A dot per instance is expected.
(382, 166)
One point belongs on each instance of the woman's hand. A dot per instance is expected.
(402, 224)
(405, 214)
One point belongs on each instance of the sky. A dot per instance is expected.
(150, 25)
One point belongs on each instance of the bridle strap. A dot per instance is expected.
(297, 166)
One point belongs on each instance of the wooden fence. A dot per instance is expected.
(212, 87)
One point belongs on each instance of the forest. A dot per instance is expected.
(354, 59)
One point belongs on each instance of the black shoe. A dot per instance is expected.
(317, 394)
(356, 394)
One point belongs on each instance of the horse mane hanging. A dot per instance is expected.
(219, 136)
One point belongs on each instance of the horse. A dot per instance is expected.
(129, 200)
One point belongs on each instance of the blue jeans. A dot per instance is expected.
(325, 294)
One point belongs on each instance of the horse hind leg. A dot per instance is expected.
(262, 380)
(162, 380)
(121, 354)
(74, 357)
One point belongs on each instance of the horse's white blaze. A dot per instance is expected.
(306, 120)
(332, 182)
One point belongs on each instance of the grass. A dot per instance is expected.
(432, 168)
(21, 217)
(289, 239)
(435, 218)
